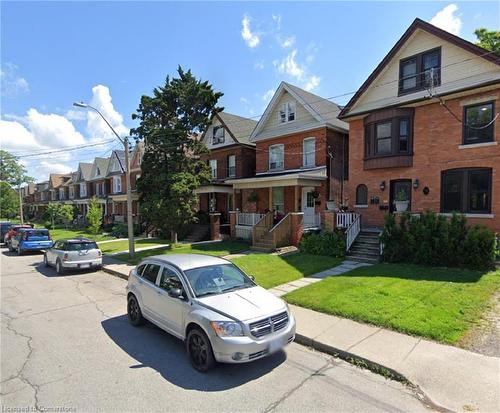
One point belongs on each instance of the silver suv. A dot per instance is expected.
(208, 302)
(75, 254)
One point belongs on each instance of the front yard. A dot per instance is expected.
(211, 248)
(122, 245)
(272, 270)
(438, 303)
(60, 233)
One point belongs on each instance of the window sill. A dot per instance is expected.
(360, 206)
(477, 145)
(469, 215)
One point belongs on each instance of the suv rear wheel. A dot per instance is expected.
(59, 267)
(200, 350)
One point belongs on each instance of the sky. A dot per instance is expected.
(109, 54)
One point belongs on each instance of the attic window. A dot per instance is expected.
(420, 71)
(218, 135)
(287, 112)
(98, 171)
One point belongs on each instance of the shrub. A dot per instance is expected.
(431, 239)
(119, 230)
(324, 243)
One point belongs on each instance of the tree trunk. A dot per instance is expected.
(173, 236)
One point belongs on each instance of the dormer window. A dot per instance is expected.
(420, 71)
(218, 135)
(287, 112)
(98, 172)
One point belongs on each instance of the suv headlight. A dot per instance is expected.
(227, 328)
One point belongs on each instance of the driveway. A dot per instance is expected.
(67, 345)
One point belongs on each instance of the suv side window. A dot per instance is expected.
(139, 269)
(59, 245)
(150, 273)
(169, 279)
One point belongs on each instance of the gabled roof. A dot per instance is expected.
(116, 156)
(56, 180)
(84, 170)
(436, 31)
(138, 151)
(323, 110)
(239, 128)
(100, 165)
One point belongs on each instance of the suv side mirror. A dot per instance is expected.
(252, 277)
(175, 293)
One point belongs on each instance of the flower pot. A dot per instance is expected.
(401, 206)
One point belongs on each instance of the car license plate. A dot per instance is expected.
(84, 265)
(276, 344)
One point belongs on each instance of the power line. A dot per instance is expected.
(67, 149)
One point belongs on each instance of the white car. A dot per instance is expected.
(74, 254)
(208, 302)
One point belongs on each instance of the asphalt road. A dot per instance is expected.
(66, 346)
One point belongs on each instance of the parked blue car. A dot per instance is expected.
(31, 240)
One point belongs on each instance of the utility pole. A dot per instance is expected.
(21, 216)
(130, 224)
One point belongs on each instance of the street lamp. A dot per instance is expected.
(130, 225)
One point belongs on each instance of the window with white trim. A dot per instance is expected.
(61, 193)
(217, 135)
(276, 157)
(231, 166)
(83, 190)
(309, 152)
(213, 167)
(286, 112)
(117, 184)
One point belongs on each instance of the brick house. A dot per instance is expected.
(301, 159)
(135, 173)
(82, 188)
(230, 156)
(100, 183)
(115, 175)
(423, 130)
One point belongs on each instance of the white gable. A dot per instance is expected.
(208, 138)
(459, 69)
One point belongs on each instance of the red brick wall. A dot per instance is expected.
(293, 149)
(262, 203)
(437, 136)
(245, 160)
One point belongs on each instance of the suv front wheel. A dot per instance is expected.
(134, 312)
(199, 350)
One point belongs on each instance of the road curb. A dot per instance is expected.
(377, 368)
(115, 273)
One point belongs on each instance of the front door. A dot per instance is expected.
(400, 195)
(308, 206)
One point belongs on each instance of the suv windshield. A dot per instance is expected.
(217, 279)
(81, 246)
(41, 233)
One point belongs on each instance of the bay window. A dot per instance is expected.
(466, 190)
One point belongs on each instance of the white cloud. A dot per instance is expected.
(15, 136)
(285, 42)
(11, 83)
(44, 168)
(75, 115)
(251, 39)
(259, 65)
(266, 97)
(299, 72)
(446, 19)
(96, 127)
(277, 20)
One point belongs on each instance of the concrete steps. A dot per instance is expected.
(366, 248)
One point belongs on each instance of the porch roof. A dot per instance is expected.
(214, 188)
(311, 177)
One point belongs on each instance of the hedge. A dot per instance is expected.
(324, 243)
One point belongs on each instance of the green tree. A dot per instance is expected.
(488, 39)
(171, 167)
(53, 212)
(9, 201)
(94, 216)
(12, 172)
(66, 214)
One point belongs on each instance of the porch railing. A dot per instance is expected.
(248, 218)
(282, 232)
(345, 219)
(352, 231)
(262, 227)
(312, 221)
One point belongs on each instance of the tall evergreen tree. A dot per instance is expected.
(170, 122)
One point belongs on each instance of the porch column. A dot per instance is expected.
(215, 226)
(232, 222)
(329, 220)
(270, 204)
(297, 196)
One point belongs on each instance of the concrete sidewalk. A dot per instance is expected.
(450, 378)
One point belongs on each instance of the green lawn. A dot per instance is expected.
(59, 233)
(438, 303)
(272, 270)
(117, 246)
(214, 248)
